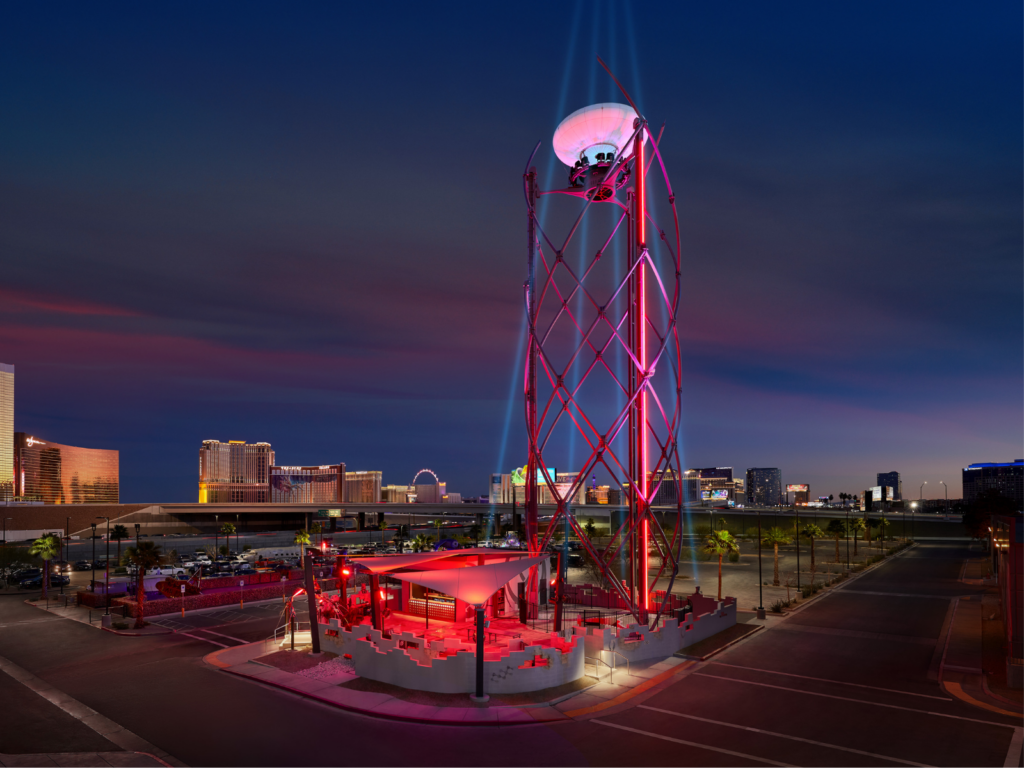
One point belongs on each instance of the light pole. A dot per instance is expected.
(947, 496)
(797, 539)
(67, 550)
(138, 527)
(92, 584)
(760, 579)
(106, 586)
(847, 539)
(913, 510)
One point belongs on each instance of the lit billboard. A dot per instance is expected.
(797, 488)
(519, 475)
(719, 495)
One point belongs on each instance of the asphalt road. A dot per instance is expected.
(845, 681)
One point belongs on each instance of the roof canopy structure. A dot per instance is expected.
(598, 128)
(473, 585)
(391, 563)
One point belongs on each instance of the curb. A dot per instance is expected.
(748, 635)
(539, 713)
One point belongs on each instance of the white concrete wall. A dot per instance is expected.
(378, 658)
(655, 644)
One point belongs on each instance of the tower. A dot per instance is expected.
(603, 366)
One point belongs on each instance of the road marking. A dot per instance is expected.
(221, 634)
(797, 627)
(834, 682)
(205, 640)
(855, 701)
(1013, 753)
(691, 743)
(631, 693)
(784, 736)
(104, 727)
(897, 594)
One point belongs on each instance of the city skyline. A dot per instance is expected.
(202, 236)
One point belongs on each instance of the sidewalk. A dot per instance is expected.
(612, 689)
(118, 759)
(89, 616)
(973, 660)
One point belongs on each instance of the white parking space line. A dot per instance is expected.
(834, 682)
(691, 743)
(855, 701)
(1013, 753)
(205, 640)
(784, 736)
(229, 637)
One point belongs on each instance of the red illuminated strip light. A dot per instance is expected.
(641, 230)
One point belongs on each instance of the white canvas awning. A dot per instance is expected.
(474, 584)
(386, 564)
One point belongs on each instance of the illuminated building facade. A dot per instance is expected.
(323, 484)
(798, 494)
(764, 487)
(64, 474)
(892, 480)
(6, 431)
(1005, 479)
(363, 487)
(234, 472)
(713, 484)
(397, 494)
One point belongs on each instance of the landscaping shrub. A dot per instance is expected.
(778, 605)
(734, 557)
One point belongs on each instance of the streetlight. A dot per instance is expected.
(760, 579)
(913, 511)
(947, 496)
(138, 527)
(797, 537)
(92, 584)
(67, 550)
(106, 587)
(847, 539)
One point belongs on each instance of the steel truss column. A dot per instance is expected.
(531, 367)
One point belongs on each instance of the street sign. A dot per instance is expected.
(329, 512)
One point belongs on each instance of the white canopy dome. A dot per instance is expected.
(597, 128)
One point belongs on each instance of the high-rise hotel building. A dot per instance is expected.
(324, 484)
(764, 487)
(64, 474)
(234, 472)
(6, 431)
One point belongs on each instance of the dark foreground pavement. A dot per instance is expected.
(850, 679)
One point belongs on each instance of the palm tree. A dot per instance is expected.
(773, 537)
(720, 543)
(590, 529)
(421, 543)
(119, 533)
(144, 557)
(317, 530)
(856, 526)
(812, 532)
(228, 529)
(46, 547)
(836, 528)
(868, 525)
(302, 539)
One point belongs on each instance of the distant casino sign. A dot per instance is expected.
(797, 488)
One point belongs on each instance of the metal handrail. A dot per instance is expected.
(611, 669)
(610, 650)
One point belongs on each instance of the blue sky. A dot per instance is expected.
(305, 226)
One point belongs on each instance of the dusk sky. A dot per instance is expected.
(305, 226)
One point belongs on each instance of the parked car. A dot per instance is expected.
(83, 565)
(36, 582)
(247, 571)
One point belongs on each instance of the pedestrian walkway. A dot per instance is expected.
(67, 759)
(610, 687)
(973, 660)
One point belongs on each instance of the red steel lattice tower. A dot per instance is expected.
(577, 326)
